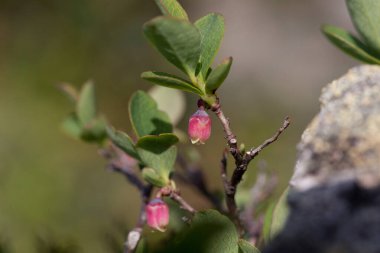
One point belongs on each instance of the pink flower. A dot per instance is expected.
(157, 214)
(199, 127)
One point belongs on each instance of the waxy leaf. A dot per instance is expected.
(122, 141)
(158, 153)
(177, 40)
(70, 91)
(211, 28)
(150, 175)
(218, 75)
(95, 130)
(157, 143)
(280, 214)
(209, 232)
(86, 105)
(365, 15)
(268, 222)
(170, 81)
(72, 126)
(349, 44)
(145, 117)
(172, 8)
(246, 247)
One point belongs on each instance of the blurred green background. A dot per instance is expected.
(54, 187)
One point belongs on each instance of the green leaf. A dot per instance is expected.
(95, 130)
(218, 75)
(142, 246)
(209, 232)
(151, 176)
(365, 15)
(268, 222)
(349, 44)
(71, 126)
(172, 8)
(170, 81)
(157, 143)
(166, 98)
(158, 152)
(122, 141)
(211, 28)
(177, 40)
(146, 119)
(86, 106)
(70, 91)
(246, 247)
(280, 214)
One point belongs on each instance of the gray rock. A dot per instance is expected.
(342, 143)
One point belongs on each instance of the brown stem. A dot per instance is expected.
(255, 151)
(120, 163)
(241, 161)
(230, 194)
(230, 136)
(177, 198)
(134, 235)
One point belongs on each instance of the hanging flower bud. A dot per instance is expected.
(157, 214)
(199, 127)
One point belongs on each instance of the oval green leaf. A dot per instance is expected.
(349, 44)
(211, 28)
(86, 105)
(145, 117)
(280, 214)
(170, 81)
(95, 130)
(150, 175)
(122, 141)
(72, 126)
(246, 247)
(158, 153)
(365, 15)
(177, 40)
(70, 91)
(172, 8)
(209, 232)
(218, 75)
(268, 222)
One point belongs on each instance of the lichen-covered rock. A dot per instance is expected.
(335, 202)
(342, 143)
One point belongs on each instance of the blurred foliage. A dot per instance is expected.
(365, 14)
(51, 184)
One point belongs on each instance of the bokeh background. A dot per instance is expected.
(56, 188)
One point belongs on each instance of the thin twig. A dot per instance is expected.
(255, 151)
(129, 175)
(223, 170)
(121, 163)
(177, 198)
(230, 136)
(241, 162)
(229, 191)
(134, 235)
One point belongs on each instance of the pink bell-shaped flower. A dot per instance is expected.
(157, 214)
(199, 127)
